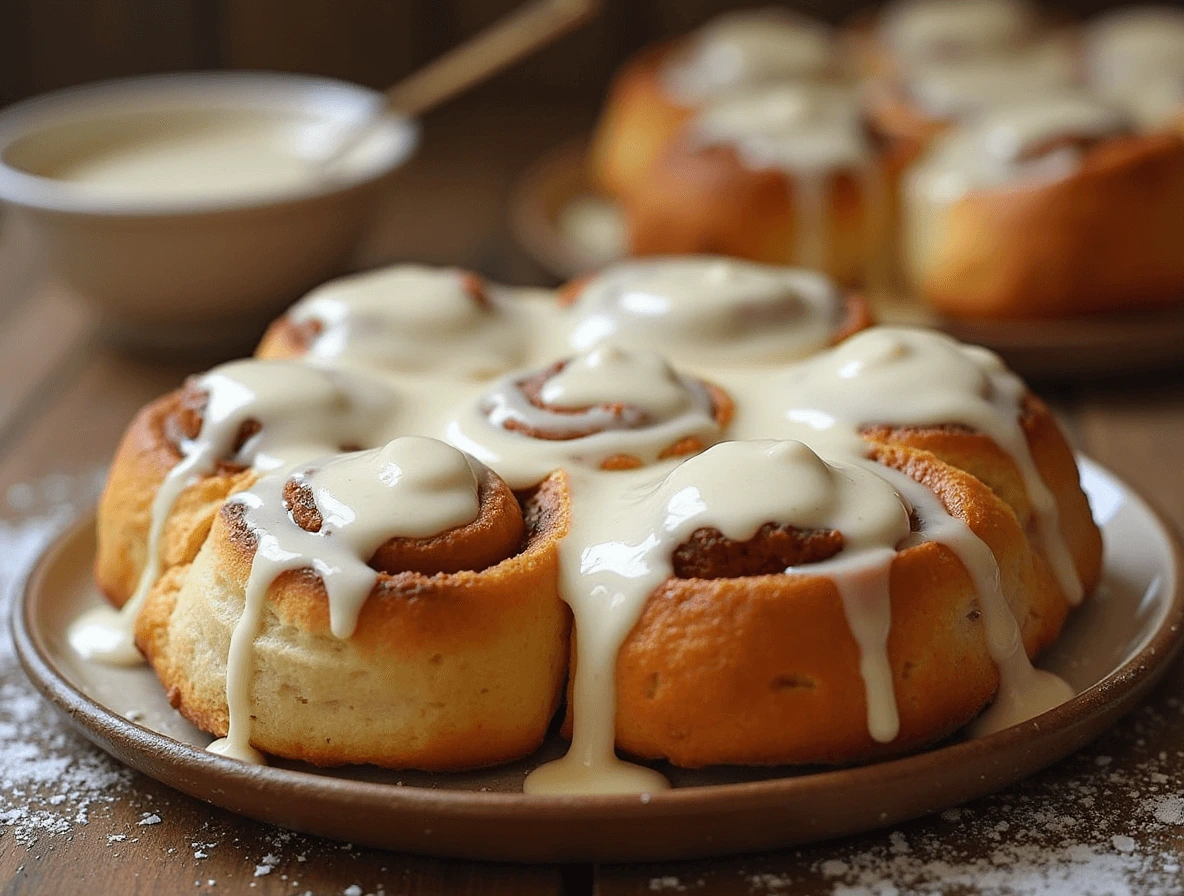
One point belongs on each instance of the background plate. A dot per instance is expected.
(1112, 650)
(569, 231)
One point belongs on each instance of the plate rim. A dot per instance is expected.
(146, 748)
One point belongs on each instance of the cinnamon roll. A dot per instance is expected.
(658, 90)
(1046, 209)
(778, 606)
(704, 309)
(404, 318)
(608, 408)
(185, 453)
(396, 606)
(782, 174)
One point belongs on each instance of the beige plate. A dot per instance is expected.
(569, 231)
(1112, 651)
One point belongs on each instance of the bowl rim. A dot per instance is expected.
(226, 89)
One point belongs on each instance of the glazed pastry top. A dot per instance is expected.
(1136, 57)
(594, 386)
(747, 48)
(919, 30)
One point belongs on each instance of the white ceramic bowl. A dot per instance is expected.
(192, 265)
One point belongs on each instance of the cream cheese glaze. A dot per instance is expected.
(1136, 57)
(745, 48)
(301, 410)
(917, 30)
(413, 318)
(707, 310)
(745, 327)
(1005, 149)
(412, 487)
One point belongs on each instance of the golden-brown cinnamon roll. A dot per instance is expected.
(348, 614)
(1047, 209)
(782, 175)
(657, 91)
(884, 610)
(185, 452)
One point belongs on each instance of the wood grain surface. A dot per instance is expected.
(66, 395)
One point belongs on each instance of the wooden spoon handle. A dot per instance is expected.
(519, 34)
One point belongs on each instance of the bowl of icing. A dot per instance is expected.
(192, 208)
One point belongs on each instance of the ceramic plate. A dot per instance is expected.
(569, 231)
(1112, 651)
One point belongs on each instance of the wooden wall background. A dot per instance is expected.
(46, 44)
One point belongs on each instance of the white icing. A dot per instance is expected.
(302, 411)
(1136, 57)
(413, 318)
(927, 29)
(736, 323)
(998, 150)
(961, 88)
(650, 408)
(619, 550)
(891, 375)
(414, 487)
(746, 48)
(705, 310)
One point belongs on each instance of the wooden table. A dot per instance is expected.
(1108, 820)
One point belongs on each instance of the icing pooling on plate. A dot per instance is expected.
(301, 411)
(737, 324)
(745, 48)
(413, 487)
(403, 318)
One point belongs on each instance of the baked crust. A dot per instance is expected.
(447, 671)
(764, 669)
(1105, 238)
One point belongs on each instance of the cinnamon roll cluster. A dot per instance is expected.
(702, 499)
(976, 153)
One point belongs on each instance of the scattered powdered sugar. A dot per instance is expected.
(50, 780)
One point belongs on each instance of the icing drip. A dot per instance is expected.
(301, 411)
(903, 377)
(725, 318)
(603, 403)
(928, 29)
(412, 318)
(745, 48)
(1135, 57)
(1014, 146)
(414, 487)
(619, 551)
(708, 310)
(811, 132)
